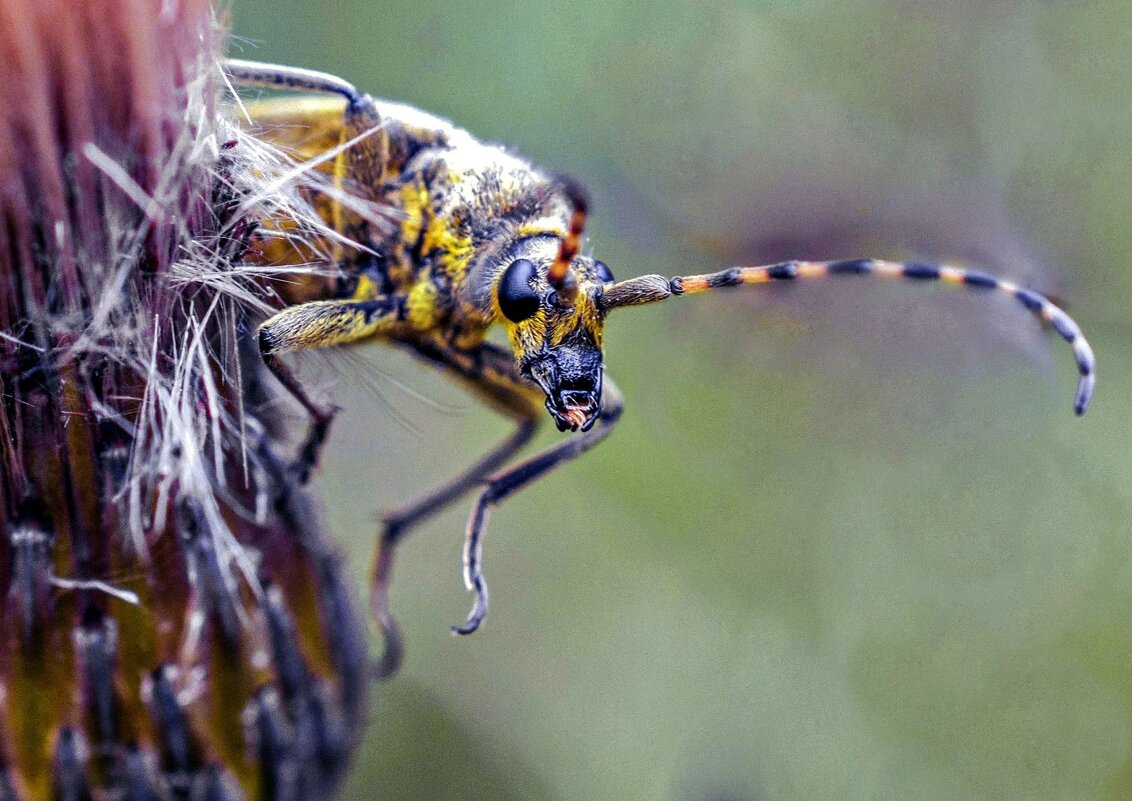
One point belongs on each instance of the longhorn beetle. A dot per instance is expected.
(482, 237)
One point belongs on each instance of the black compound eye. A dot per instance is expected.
(517, 300)
(604, 274)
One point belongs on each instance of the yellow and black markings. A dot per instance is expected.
(485, 239)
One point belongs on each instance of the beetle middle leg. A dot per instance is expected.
(316, 325)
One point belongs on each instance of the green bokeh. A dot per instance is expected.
(849, 541)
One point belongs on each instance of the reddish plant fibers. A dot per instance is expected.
(173, 622)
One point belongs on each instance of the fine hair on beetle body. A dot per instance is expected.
(477, 237)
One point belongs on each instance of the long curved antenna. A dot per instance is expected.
(279, 76)
(653, 288)
(558, 275)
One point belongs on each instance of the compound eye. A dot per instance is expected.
(604, 274)
(517, 299)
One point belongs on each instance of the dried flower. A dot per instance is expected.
(175, 622)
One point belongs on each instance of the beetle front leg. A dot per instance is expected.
(490, 373)
(503, 484)
(398, 523)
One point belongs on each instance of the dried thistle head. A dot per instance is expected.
(174, 622)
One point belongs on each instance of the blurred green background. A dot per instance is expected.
(849, 541)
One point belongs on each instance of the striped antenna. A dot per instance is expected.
(559, 275)
(652, 288)
(278, 76)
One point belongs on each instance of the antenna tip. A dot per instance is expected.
(1084, 393)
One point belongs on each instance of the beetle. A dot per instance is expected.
(479, 237)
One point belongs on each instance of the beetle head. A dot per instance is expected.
(555, 327)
